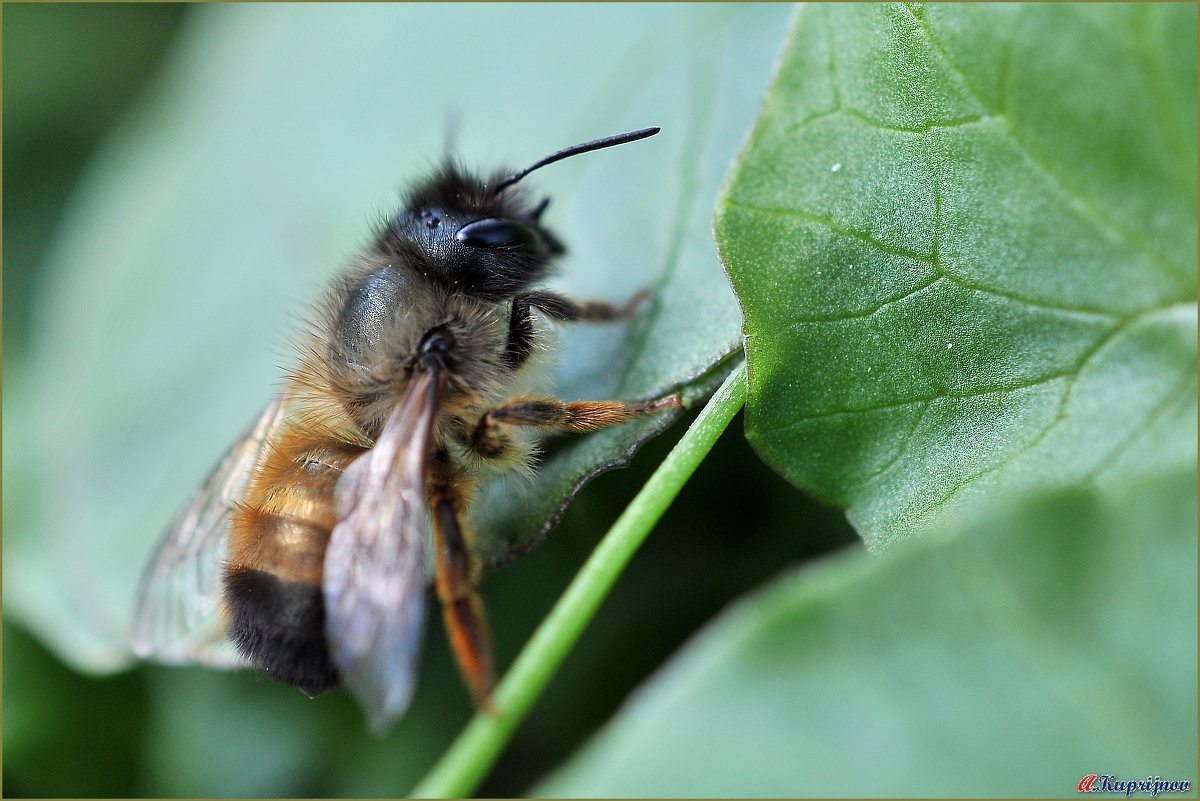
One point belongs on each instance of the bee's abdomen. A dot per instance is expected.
(280, 627)
(277, 546)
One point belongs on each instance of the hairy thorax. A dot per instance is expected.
(366, 342)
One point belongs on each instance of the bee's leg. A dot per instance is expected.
(588, 311)
(520, 324)
(489, 440)
(456, 572)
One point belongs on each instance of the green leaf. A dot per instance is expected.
(1057, 640)
(260, 163)
(964, 239)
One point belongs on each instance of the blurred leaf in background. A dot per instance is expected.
(1038, 646)
(248, 170)
(69, 70)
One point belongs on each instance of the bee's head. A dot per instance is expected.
(464, 234)
(482, 238)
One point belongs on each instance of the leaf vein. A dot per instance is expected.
(796, 322)
(932, 261)
(1005, 82)
(1060, 414)
(879, 472)
(1024, 300)
(1183, 391)
(1037, 439)
(808, 216)
(961, 395)
(1102, 220)
(812, 119)
(1071, 372)
(957, 122)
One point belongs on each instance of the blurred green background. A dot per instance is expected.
(74, 75)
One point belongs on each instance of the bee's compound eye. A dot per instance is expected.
(494, 232)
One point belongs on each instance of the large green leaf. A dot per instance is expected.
(1058, 639)
(964, 239)
(259, 164)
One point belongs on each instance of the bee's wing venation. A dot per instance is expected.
(375, 564)
(177, 618)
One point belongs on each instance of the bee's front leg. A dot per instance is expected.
(558, 307)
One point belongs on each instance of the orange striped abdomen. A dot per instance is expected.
(277, 541)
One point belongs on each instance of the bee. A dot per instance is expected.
(304, 552)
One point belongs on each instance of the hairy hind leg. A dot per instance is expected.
(490, 440)
(456, 576)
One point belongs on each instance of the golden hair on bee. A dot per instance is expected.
(305, 549)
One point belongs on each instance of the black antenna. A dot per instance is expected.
(586, 147)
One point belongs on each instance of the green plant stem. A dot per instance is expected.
(472, 755)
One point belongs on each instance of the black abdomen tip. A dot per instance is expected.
(280, 627)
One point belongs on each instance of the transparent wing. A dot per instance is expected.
(177, 619)
(375, 564)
